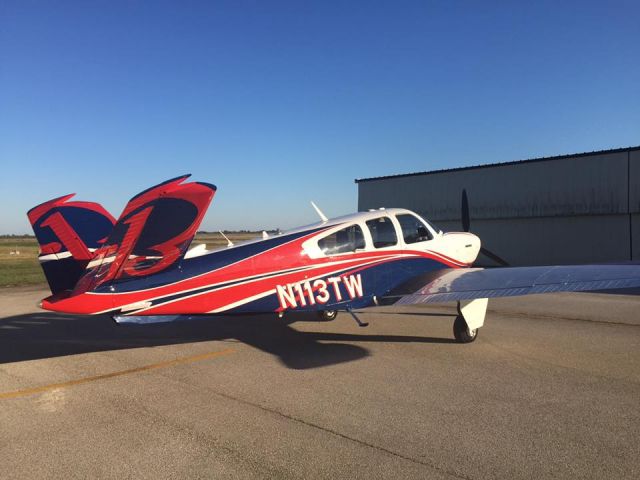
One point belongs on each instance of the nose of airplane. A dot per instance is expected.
(477, 244)
(469, 247)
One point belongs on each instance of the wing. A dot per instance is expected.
(469, 283)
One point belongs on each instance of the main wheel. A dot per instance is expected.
(462, 332)
(327, 315)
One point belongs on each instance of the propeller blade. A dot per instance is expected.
(466, 221)
(466, 226)
(494, 257)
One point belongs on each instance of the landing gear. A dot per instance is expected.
(462, 332)
(469, 320)
(327, 315)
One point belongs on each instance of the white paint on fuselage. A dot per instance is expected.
(462, 247)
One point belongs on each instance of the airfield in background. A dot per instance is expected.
(19, 264)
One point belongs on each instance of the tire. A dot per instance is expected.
(461, 331)
(327, 315)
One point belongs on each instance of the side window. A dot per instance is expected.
(346, 240)
(413, 230)
(383, 232)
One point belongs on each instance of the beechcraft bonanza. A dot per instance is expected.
(140, 268)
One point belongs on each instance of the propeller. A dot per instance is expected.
(466, 222)
(466, 226)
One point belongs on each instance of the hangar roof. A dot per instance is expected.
(515, 162)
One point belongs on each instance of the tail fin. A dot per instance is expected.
(68, 234)
(152, 234)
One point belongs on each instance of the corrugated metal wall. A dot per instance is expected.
(575, 209)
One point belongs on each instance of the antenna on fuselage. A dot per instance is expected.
(323, 217)
(229, 242)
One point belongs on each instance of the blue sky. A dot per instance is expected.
(279, 103)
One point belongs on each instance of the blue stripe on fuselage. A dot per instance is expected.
(190, 267)
(377, 280)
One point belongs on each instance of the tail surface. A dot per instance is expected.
(153, 232)
(68, 233)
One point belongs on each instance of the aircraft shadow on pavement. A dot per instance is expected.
(46, 334)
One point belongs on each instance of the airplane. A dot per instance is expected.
(140, 268)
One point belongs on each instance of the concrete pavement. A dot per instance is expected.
(550, 389)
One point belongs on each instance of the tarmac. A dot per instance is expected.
(550, 389)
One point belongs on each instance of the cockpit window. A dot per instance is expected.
(346, 240)
(433, 226)
(413, 230)
(383, 232)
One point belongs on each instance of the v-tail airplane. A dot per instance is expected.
(140, 268)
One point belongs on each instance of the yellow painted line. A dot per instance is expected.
(80, 381)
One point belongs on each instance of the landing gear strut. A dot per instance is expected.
(469, 320)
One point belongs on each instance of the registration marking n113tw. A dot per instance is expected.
(301, 294)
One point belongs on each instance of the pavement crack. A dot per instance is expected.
(336, 433)
(533, 361)
(211, 441)
(539, 316)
